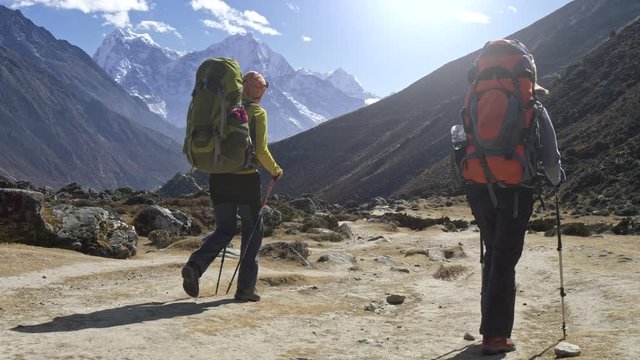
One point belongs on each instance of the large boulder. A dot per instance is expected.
(93, 231)
(21, 218)
(305, 204)
(158, 218)
(181, 185)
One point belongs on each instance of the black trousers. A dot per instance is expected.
(234, 195)
(502, 230)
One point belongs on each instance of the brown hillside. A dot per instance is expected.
(378, 150)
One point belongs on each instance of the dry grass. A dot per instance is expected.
(190, 244)
(278, 280)
(449, 272)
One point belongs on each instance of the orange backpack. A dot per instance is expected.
(499, 117)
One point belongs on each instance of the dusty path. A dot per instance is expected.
(57, 304)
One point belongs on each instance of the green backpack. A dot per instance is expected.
(218, 138)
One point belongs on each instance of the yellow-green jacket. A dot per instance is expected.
(258, 121)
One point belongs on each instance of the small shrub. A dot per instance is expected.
(545, 224)
(286, 251)
(576, 229)
(450, 272)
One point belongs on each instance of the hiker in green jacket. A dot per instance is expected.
(238, 193)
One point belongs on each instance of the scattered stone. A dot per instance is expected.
(338, 257)
(411, 252)
(322, 235)
(385, 260)
(376, 238)
(366, 341)
(396, 299)
(565, 349)
(345, 230)
(371, 307)
(402, 270)
(469, 337)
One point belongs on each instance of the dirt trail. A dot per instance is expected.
(57, 304)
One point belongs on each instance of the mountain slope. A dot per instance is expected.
(596, 108)
(51, 136)
(385, 147)
(296, 100)
(70, 65)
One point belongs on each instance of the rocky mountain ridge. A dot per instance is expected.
(297, 99)
(58, 122)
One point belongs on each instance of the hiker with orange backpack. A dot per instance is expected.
(233, 192)
(510, 141)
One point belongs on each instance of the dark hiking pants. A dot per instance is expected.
(503, 236)
(233, 195)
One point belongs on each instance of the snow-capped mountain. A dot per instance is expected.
(296, 99)
(349, 85)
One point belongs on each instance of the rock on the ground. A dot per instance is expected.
(21, 218)
(181, 185)
(338, 257)
(467, 336)
(305, 204)
(155, 217)
(271, 217)
(93, 231)
(395, 299)
(565, 349)
(345, 230)
(321, 235)
(141, 198)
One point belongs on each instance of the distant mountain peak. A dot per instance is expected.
(129, 35)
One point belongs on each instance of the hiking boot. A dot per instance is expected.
(496, 345)
(190, 279)
(244, 296)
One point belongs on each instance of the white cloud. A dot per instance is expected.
(293, 7)
(157, 26)
(513, 8)
(472, 17)
(306, 38)
(115, 12)
(232, 20)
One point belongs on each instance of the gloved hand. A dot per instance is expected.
(278, 175)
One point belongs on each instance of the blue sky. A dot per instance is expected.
(386, 44)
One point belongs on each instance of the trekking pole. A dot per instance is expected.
(224, 253)
(255, 227)
(562, 293)
(481, 266)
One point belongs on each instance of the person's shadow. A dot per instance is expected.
(474, 351)
(469, 352)
(124, 315)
